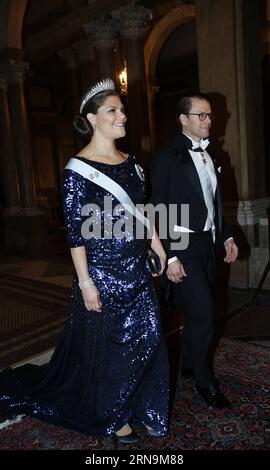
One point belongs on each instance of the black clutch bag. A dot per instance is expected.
(153, 262)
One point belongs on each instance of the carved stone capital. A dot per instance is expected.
(84, 50)
(133, 20)
(19, 71)
(12, 71)
(102, 32)
(4, 71)
(3, 84)
(69, 57)
(9, 211)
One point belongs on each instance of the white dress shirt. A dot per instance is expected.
(200, 159)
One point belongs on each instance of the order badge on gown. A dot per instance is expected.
(139, 171)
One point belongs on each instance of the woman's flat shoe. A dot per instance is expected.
(152, 432)
(128, 438)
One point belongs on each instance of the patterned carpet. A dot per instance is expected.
(244, 372)
(32, 314)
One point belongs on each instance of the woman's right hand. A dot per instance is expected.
(91, 298)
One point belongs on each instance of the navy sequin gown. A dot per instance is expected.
(111, 366)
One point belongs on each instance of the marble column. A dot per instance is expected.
(9, 176)
(25, 231)
(229, 57)
(68, 55)
(103, 36)
(84, 51)
(133, 21)
(21, 136)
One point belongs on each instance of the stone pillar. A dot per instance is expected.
(86, 59)
(132, 26)
(103, 35)
(21, 135)
(24, 232)
(231, 72)
(9, 177)
(70, 59)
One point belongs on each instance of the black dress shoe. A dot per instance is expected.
(128, 438)
(187, 373)
(213, 397)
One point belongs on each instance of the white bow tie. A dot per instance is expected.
(202, 144)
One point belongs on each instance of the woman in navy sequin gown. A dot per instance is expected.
(111, 364)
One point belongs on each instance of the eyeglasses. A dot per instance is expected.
(203, 116)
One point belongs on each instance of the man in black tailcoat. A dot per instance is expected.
(184, 173)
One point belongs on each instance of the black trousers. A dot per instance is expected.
(197, 291)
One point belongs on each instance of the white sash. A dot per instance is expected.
(97, 177)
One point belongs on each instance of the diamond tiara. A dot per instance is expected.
(103, 85)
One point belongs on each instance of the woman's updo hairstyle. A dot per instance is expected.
(91, 101)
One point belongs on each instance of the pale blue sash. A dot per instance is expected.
(97, 177)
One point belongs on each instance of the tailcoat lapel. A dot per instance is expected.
(218, 197)
(189, 168)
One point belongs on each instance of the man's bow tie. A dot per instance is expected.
(197, 149)
(201, 146)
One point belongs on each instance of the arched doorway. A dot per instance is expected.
(176, 74)
(155, 42)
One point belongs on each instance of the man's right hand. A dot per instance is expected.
(176, 272)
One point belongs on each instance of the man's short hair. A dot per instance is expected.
(184, 103)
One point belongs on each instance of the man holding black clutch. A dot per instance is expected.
(184, 173)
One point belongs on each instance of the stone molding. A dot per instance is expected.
(133, 20)
(10, 211)
(247, 212)
(103, 32)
